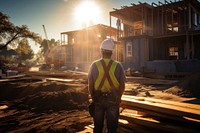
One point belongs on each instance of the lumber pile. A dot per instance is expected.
(154, 115)
(18, 77)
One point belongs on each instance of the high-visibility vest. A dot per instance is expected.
(106, 87)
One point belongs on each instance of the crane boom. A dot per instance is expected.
(45, 32)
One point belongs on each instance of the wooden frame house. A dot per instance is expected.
(163, 36)
(82, 46)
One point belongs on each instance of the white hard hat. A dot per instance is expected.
(107, 44)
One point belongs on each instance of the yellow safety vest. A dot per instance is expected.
(106, 87)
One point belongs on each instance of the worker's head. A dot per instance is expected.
(107, 47)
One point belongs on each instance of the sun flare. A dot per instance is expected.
(87, 13)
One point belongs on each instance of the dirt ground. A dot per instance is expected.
(41, 104)
(44, 105)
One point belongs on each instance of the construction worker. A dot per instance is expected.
(106, 81)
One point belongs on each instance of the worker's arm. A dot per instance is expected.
(91, 89)
(91, 81)
(122, 88)
(122, 80)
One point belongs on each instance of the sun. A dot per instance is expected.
(87, 13)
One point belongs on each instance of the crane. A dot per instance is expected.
(45, 32)
(47, 51)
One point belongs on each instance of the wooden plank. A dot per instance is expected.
(182, 119)
(17, 79)
(151, 123)
(124, 130)
(86, 131)
(77, 72)
(160, 115)
(162, 108)
(131, 127)
(153, 100)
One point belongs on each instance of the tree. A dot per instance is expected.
(44, 46)
(39, 58)
(24, 51)
(48, 44)
(11, 33)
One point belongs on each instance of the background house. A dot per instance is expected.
(82, 46)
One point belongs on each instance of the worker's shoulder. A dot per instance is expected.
(96, 61)
(117, 62)
(99, 61)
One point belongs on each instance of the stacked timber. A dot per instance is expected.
(148, 115)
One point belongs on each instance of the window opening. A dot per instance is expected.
(173, 52)
(129, 49)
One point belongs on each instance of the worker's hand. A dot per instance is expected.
(90, 100)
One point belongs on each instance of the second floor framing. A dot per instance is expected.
(87, 35)
(134, 20)
(176, 17)
(163, 18)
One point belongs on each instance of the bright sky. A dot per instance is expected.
(60, 15)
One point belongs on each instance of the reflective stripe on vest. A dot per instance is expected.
(106, 86)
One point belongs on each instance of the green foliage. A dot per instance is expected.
(44, 46)
(15, 36)
(6, 27)
(47, 44)
(12, 34)
(24, 51)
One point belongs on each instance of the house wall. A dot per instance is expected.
(159, 49)
(140, 53)
(197, 47)
(171, 66)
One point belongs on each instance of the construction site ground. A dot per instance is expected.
(48, 101)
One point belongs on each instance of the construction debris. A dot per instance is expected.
(188, 87)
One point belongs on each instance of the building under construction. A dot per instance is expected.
(82, 46)
(163, 36)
